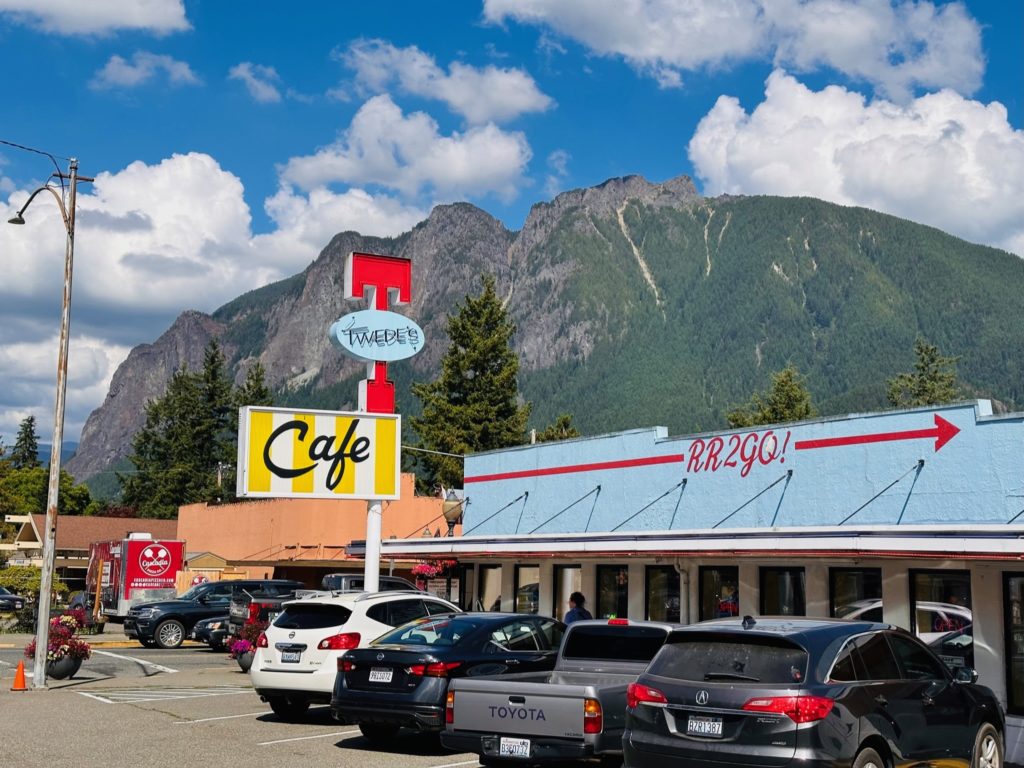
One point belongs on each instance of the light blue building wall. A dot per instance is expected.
(815, 473)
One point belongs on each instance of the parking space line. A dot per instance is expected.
(223, 717)
(94, 696)
(305, 738)
(139, 696)
(452, 765)
(151, 665)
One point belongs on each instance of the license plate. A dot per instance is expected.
(514, 747)
(290, 657)
(381, 674)
(704, 726)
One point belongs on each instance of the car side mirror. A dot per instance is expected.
(966, 675)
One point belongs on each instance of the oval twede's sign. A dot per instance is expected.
(375, 335)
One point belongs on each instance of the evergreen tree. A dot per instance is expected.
(474, 404)
(25, 453)
(252, 391)
(787, 400)
(562, 429)
(932, 383)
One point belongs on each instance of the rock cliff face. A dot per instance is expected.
(636, 303)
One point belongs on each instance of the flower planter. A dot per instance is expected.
(245, 660)
(63, 668)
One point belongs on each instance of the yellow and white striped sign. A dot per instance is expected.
(318, 454)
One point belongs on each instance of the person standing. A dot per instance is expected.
(577, 610)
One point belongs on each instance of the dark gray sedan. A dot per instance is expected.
(10, 601)
(807, 692)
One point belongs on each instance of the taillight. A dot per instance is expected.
(437, 669)
(344, 642)
(638, 693)
(619, 622)
(344, 665)
(261, 641)
(593, 717)
(449, 708)
(799, 709)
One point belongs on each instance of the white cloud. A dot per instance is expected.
(942, 160)
(490, 94)
(896, 45)
(144, 66)
(260, 81)
(88, 17)
(385, 147)
(558, 172)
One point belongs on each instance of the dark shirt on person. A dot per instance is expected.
(577, 613)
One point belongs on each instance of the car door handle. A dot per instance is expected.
(880, 699)
(511, 661)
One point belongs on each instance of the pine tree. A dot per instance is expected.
(562, 429)
(933, 382)
(787, 400)
(474, 404)
(25, 453)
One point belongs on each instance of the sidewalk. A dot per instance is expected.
(113, 636)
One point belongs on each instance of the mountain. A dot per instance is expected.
(637, 304)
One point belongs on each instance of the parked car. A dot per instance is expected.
(353, 582)
(401, 678)
(10, 601)
(166, 623)
(263, 604)
(577, 711)
(296, 658)
(214, 632)
(807, 692)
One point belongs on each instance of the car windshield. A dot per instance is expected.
(4, 591)
(706, 658)
(440, 631)
(193, 593)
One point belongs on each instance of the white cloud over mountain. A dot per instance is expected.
(490, 94)
(942, 159)
(894, 46)
(93, 17)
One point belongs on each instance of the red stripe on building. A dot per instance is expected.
(576, 468)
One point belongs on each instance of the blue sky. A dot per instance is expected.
(230, 140)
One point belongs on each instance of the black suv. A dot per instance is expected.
(166, 623)
(809, 693)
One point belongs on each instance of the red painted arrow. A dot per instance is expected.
(943, 432)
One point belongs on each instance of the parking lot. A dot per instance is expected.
(188, 707)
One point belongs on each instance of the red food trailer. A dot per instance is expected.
(132, 570)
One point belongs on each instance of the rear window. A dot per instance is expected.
(602, 641)
(440, 632)
(705, 658)
(312, 616)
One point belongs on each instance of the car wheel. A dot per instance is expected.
(868, 758)
(148, 643)
(378, 732)
(287, 709)
(169, 634)
(988, 748)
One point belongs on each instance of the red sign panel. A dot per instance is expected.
(151, 564)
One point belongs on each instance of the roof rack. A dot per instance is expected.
(367, 595)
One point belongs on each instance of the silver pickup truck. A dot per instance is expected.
(576, 711)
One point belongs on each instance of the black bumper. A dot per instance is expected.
(313, 697)
(423, 717)
(542, 749)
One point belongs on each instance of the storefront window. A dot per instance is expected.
(612, 592)
(719, 591)
(568, 579)
(940, 614)
(527, 588)
(783, 592)
(466, 592)
(490, 588)
(662, 593)
(855, 593)
(1013, 602)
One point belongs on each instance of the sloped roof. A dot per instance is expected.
(78, 532)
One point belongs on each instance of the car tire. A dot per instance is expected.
(148, 643)
(378, 733)
(988, 748)
(289, 710)
(169, 634)
(869, 758)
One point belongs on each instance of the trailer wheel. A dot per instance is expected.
(169, 634)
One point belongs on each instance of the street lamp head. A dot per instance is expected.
(18, 219)
(451, 507)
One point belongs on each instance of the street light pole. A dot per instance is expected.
(53, 490)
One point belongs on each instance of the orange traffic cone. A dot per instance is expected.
(19, 678)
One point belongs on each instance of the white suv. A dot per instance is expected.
(297, 657)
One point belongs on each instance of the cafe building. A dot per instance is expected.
(913, 517)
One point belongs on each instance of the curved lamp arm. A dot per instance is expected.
(19, 217)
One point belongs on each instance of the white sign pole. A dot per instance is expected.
(371, 569)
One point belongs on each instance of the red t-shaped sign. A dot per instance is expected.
(380, 280)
